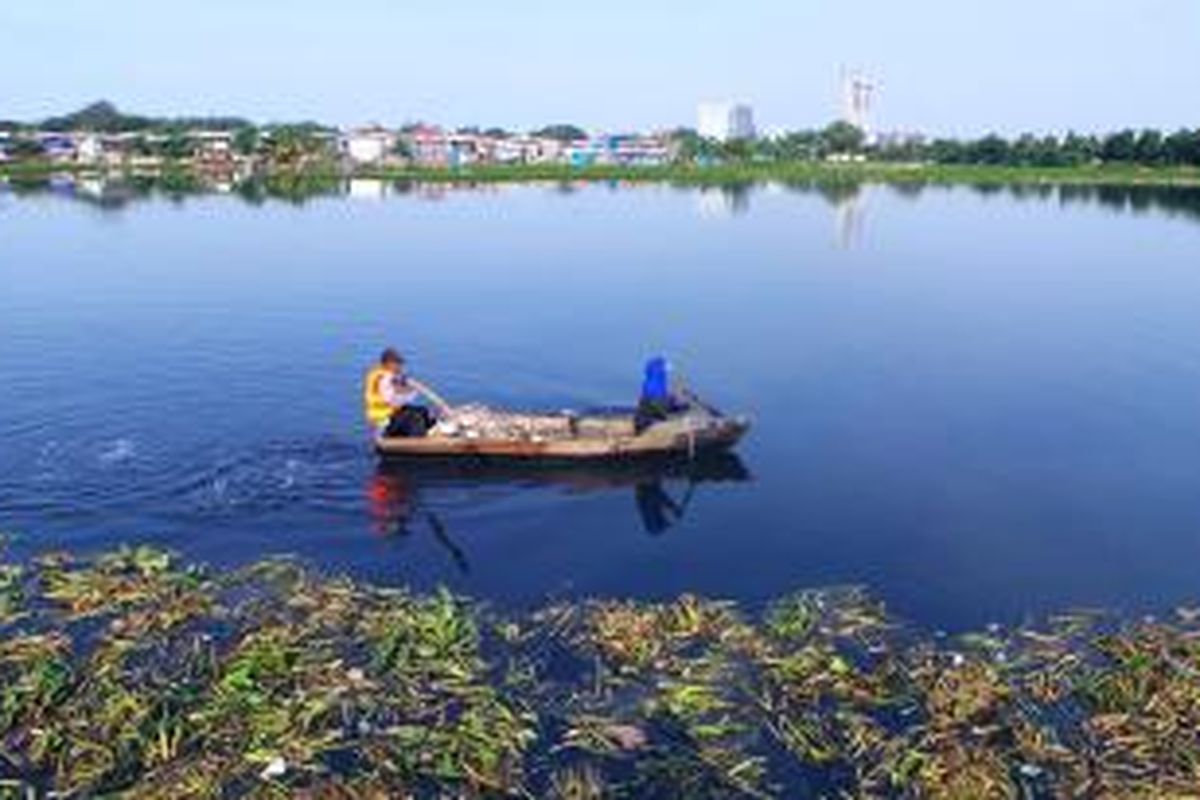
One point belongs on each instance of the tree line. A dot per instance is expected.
(104, 117)
(1147, 147)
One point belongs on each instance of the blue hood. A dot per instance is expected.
(654, 380)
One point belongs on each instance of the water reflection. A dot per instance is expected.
(662, 489)
(848, 219)
(723, 201)
(395, 509)
(846, 196)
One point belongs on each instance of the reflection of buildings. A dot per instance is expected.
(848, 219)
(92, 186)
(366, 189)
(723, 201)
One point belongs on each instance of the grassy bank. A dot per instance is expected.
(732, 174)
(131, 673)
(817, 172)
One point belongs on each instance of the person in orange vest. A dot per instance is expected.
(390, 399)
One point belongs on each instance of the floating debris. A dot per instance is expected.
(131, 674)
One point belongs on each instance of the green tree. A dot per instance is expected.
(737, 149)
(246, 140)
(1121, 146)
(947, 151)
(799, 146)
(842, 137)
(1024, 150)
(293, 145)
(1148, 147)
(1182, 147)
(1033, 151)
(1078, 149)
(906, 149)
(1048, 152)
(991, 149)
(24, 148)
(687, 145)
(562, 132)
(141, 146)
(691, 147)
(177, 145)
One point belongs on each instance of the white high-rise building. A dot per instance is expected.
(725, 121)
(856, 100)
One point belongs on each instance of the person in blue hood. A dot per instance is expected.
(658, 400)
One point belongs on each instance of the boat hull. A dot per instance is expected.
(587, 440)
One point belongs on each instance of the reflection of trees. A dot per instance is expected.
(298, 187)
(1030, 191)
(112, 193)
(839, 194)
(908, 190)
(737, 197)
(252, 192)
(846, 197)
(1181, 201)
(833, 191)
(987, 189)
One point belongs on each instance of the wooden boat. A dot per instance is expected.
(567, 436)
(578, 476)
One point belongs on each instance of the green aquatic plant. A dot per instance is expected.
(130, 674)
(12, 592)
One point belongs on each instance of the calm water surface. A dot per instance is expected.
(981, 405)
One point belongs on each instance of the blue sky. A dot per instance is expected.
(944, 66)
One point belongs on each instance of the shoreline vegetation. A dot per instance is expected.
(688, 174)
(129, 672)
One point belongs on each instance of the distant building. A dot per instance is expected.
(725, 121)
(428, 145)
(89, 149)
(56, 146)
(857, 91)
(464, 149)
(368, 145)
(215, 143)
(515, 150)
(213, 150)
(626, 150)
(527, 150)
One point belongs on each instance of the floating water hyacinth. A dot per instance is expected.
(130, 674)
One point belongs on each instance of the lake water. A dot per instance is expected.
(981, 404)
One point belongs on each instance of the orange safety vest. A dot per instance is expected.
(377, 409)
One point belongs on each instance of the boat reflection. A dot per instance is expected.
(662, 489)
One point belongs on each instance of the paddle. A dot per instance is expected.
(428, 391)
(685, 392)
